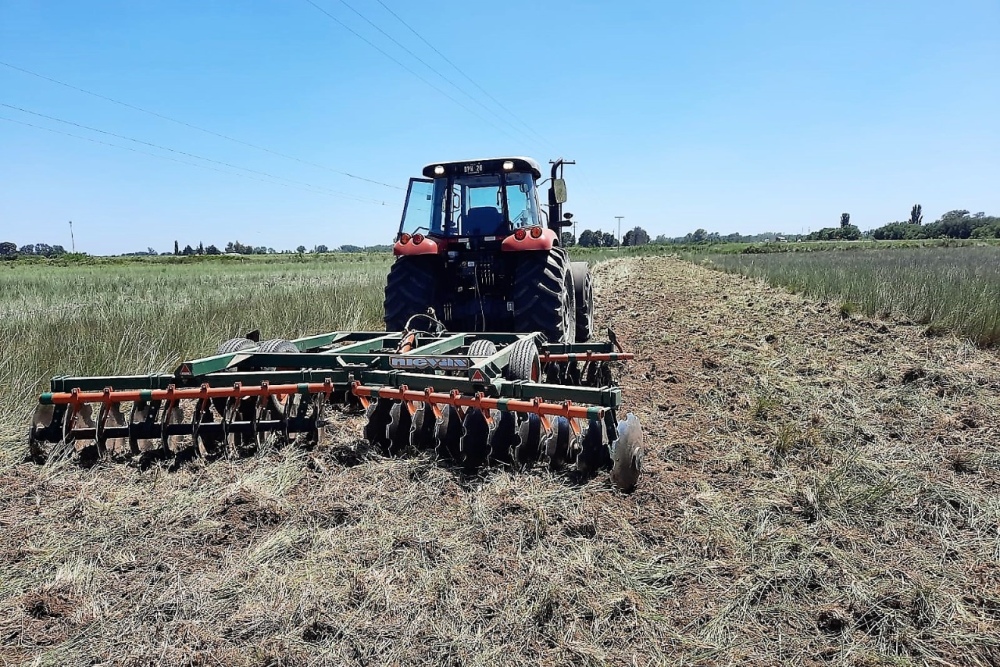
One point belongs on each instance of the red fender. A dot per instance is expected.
(544, 241)
(418, 244)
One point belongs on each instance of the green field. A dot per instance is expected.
(950, 289)
(143, 316)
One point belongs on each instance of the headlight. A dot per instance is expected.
(439, 170)
(508, 165)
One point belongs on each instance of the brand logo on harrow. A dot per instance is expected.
(443, 363)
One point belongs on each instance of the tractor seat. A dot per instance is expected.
(482, 221)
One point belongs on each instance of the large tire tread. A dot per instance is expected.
(410, 289)
(542, 289)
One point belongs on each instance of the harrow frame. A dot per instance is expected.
(234, 398)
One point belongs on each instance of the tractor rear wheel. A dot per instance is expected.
(584, 286)
(544, 297)
(410, 289)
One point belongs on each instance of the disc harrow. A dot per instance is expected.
(476, 399)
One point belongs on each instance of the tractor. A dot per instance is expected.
(477, 250)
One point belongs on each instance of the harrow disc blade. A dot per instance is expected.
(556, 443)
(422, 427)
(626, 454)
(42, 421)
(448, 433)
(400, 422)
(594, 453)
(141, 424)
(376, 428)
(207, 445)
(172, 414)
(80, 419)
(503, 436)
(110, 416)
(475, 445)
(529, 436)
(238, 410)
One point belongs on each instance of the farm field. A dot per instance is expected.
(951, 289)
(820, 488)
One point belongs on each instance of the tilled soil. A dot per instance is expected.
(817, 489)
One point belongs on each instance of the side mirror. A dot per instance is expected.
(559, 190)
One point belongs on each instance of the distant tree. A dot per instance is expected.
(7, 248)
(201, 248)
(301, 249)
(28, 249)
(636, 236)
(56, 251)
(850, 233)
(699, 236)
(188, 250)
(661, 239)
(150, 252)
(916, 215)
(608, 240)
(351, 248)
(212, 250)
(320, 249)
(588, 239)
(845, 220)
(43, 249)
(566, 239)
(259, 250)
(177, 248)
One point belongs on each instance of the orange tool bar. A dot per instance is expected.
(455, 398)
(109, 395)
(587, 356)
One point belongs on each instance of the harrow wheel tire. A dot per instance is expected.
(523, 363)
(583, 285)
(482, 349)
(410, 289)
(544, 297)
(276, 345)
(235, 345)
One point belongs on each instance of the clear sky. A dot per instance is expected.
(730, 116)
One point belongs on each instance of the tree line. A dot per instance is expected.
(10, 249)
(957, 224)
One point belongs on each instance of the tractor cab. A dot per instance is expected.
(474, 199)
(477, 250)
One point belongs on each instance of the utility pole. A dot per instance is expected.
(72, 241)
(619, 219)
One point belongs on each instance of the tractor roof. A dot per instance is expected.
(483, 166)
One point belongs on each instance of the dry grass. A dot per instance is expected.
(820, 489)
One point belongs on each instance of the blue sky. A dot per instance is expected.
(730, 116)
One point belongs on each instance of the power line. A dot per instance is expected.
(179, 152)
(430, 67)
(395, 60)
(460, 71)
(196, 127)
(291, 184)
